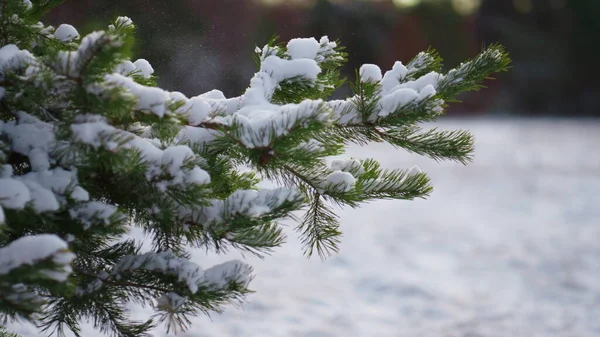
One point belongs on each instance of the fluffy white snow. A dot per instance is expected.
(281, 69)
(11, 57)
(186, 271)
(220, 275)
(44, 191)
(249, 203)
(69, 61)
(370, 73)
(33, 138)
(196, 109)
(258, 126)
(66, 33)
(43, 199)
(174, 157)
(396, 100)
(392, 78)
(170, 301)
(339, 181)
(166, 262)
(144, 67)
(274, 70)
(303, 48)
(348, 165)
(93, 212)
(124, 21)
(427, 92)
(149, 99)
(197, 136)
(33, 248)
(13, 194)
(125, 68)
(414, 170)
(95, 131)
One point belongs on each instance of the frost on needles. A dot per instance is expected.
(90, 147)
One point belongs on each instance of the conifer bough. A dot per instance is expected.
(90, 147)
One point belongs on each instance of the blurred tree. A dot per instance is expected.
(363, 28)
(553, 48)
(585, 45)
(6, 333)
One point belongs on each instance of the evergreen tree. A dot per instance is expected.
(90, 147)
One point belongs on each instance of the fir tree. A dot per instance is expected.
(90, 147)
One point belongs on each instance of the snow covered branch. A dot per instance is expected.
(91, 147)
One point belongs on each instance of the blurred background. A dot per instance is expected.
(199, 45)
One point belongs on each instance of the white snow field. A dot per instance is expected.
(507, 246)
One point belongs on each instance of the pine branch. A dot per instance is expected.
(90, 147)
(438, 145)
(469, 75)
(425, 62)
(124, 284)
(319, 229)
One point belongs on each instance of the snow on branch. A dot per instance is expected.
(72, 63)
(247, 203)
(94, 212)
(148, 99)
(87, 137)
(33, 249)
(302, 60)
(66, 33)
(187, 272)
(260, 126)
(376, 183)
(12, 58)
(166, 167)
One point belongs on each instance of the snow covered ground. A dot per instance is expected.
(507, 246)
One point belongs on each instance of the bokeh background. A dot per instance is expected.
(199, 45)
(506, 246)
